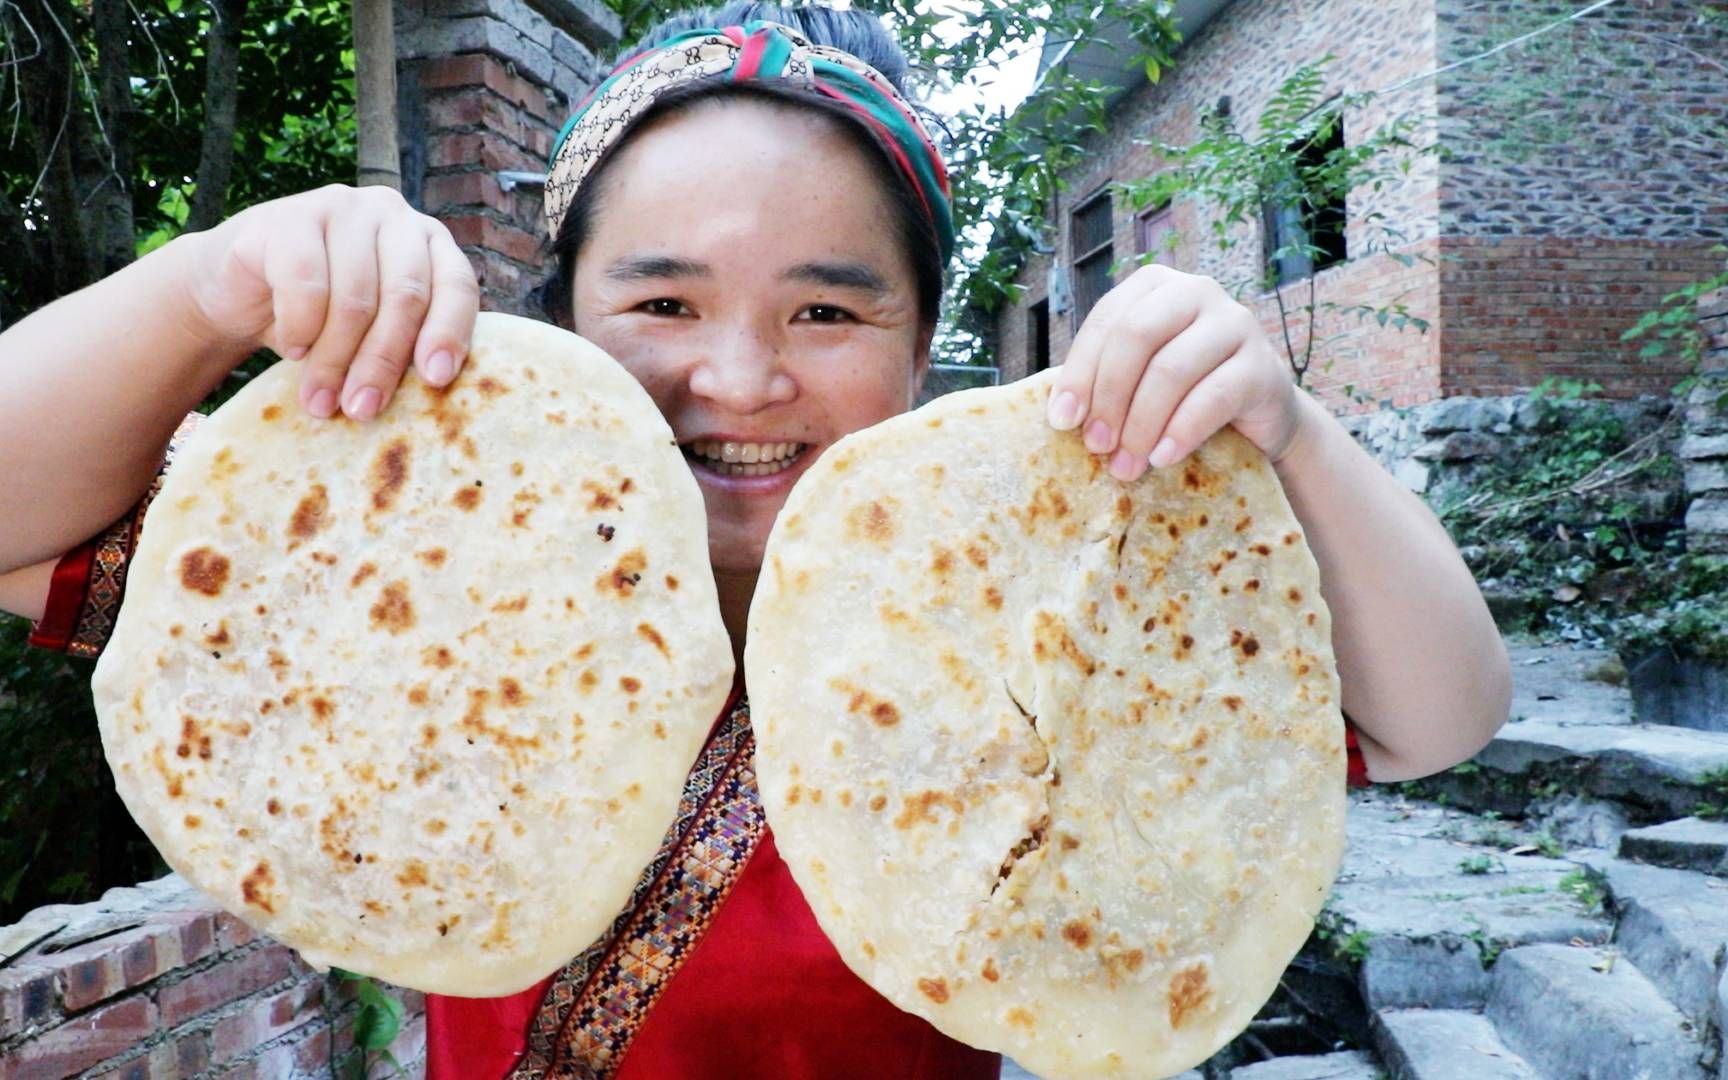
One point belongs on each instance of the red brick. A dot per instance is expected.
(26, 996)
(233, 933)
(461, 109)
(82, 1043)
(228, 981)
(455, 148)
(266, 1019)
(448, 190)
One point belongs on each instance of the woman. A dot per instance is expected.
(757, 230)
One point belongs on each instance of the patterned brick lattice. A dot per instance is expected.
(483, 87)
(154, 982)
(1532, 264)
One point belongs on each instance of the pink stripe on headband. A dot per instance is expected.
(887, 139)
(750, 60)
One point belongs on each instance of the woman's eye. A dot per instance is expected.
(827, 313)
(662, 306)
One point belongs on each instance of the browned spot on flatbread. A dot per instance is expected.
(1050, 639)
(272, 412)
(1245, 641)
(1077, 934)
(941, 560)
(922, 808)
(193, 739)
(671, 583)
(393, 611)
(366, 570)
(412, 874)
(1188, 993)
(220, 637)
(389, 474)
(934, 989)
(653, 637)
(433, 557)
(1020, 1017)
(599, 497)
(255, 888)
(467, 498)
(872, 521)
(491, 388)
(629, 685)
(877, 803)
(310, 516)
(193, 821)
(204, 570)
(512, 604)
(273, 806)
(989, 970)
(438, 656)
(624, 576)
(993, 597)
(881, 713)
(510, 691)
(977, 556)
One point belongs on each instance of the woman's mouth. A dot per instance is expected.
(745, 458)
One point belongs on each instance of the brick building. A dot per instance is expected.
(1534, 255)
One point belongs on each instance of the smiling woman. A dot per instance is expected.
(749, 215)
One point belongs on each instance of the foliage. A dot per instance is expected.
(1582, 886)
(1715, 804)
(1672, 329)
(1242, 179)
(64, 835)
(1480, 864)
(377, 1022)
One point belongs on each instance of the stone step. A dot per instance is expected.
(1426, 912)
(1344, 1065)
(1590, 1013)
(1687, 844)
(1445, 1044)
(1674, 926)
(1657, 772)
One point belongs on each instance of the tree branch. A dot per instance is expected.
(221, 94)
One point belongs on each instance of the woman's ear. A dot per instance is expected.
(921, 359)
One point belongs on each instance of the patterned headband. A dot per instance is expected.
(756, 50)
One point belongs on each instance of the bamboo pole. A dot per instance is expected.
(375, 92)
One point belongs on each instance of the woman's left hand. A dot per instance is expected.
(1162, 361)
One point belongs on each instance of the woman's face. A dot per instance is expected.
(744, 266)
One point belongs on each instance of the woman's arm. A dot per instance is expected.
(1424, 673)
(353, 281)
(25, 591)
(1164, 360)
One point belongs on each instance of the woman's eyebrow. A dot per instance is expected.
(639, 267)
(839, 275)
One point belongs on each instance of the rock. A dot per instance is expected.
(1703, 476)
(1680, 691)
(1701, 447)
(1581, 822)
(1419, 1044)
(1707, 514)
(1443, 972)
(1659, 770)
(1674, 926)
(1575, 1012)
(1459, 446)
(1344, 1065)
(1412, 474)
(1687, 844)
(1461, 414)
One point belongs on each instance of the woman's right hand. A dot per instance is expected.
(353, 282)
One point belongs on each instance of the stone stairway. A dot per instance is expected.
(1552, 910)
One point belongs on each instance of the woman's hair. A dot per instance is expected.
(858, 33)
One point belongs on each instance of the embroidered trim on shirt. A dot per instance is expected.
(598, 1002)
(113, 554)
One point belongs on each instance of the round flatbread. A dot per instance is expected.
(1057, 761)
(417, 697)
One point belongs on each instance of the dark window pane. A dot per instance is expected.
(1092, 225)
(1305, 231)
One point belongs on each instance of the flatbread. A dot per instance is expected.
(1057, 761)
(418, 697)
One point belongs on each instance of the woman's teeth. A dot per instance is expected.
(746, 459)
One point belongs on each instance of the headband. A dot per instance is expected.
(756, 50)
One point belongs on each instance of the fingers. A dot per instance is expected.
(352, 248)
(404, 291)
(442, 344)
(1072, 392)
(1136, 353)
(1185, 367)
(296, 270)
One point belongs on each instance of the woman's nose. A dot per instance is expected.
(743, 373)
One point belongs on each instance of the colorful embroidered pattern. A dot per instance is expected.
(102, 595)
(595, 1006)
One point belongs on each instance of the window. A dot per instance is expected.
(1305, 232)
(1155, 232)
(1090, 236)
(1038, 338)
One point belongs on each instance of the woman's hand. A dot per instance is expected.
(1162, 361)
(353, 281)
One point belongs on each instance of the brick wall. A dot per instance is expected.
(1244, 53)
(484, 87)
(1577, 187)
(153, 983)
(1549, 236)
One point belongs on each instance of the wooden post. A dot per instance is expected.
(375, 92)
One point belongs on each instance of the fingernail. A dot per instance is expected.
(323, 404)
(1064, 411)
(1098, 436)
(295, 353)
(440, 367)
(363, 404)
(1164, 453)
(1124, 466)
